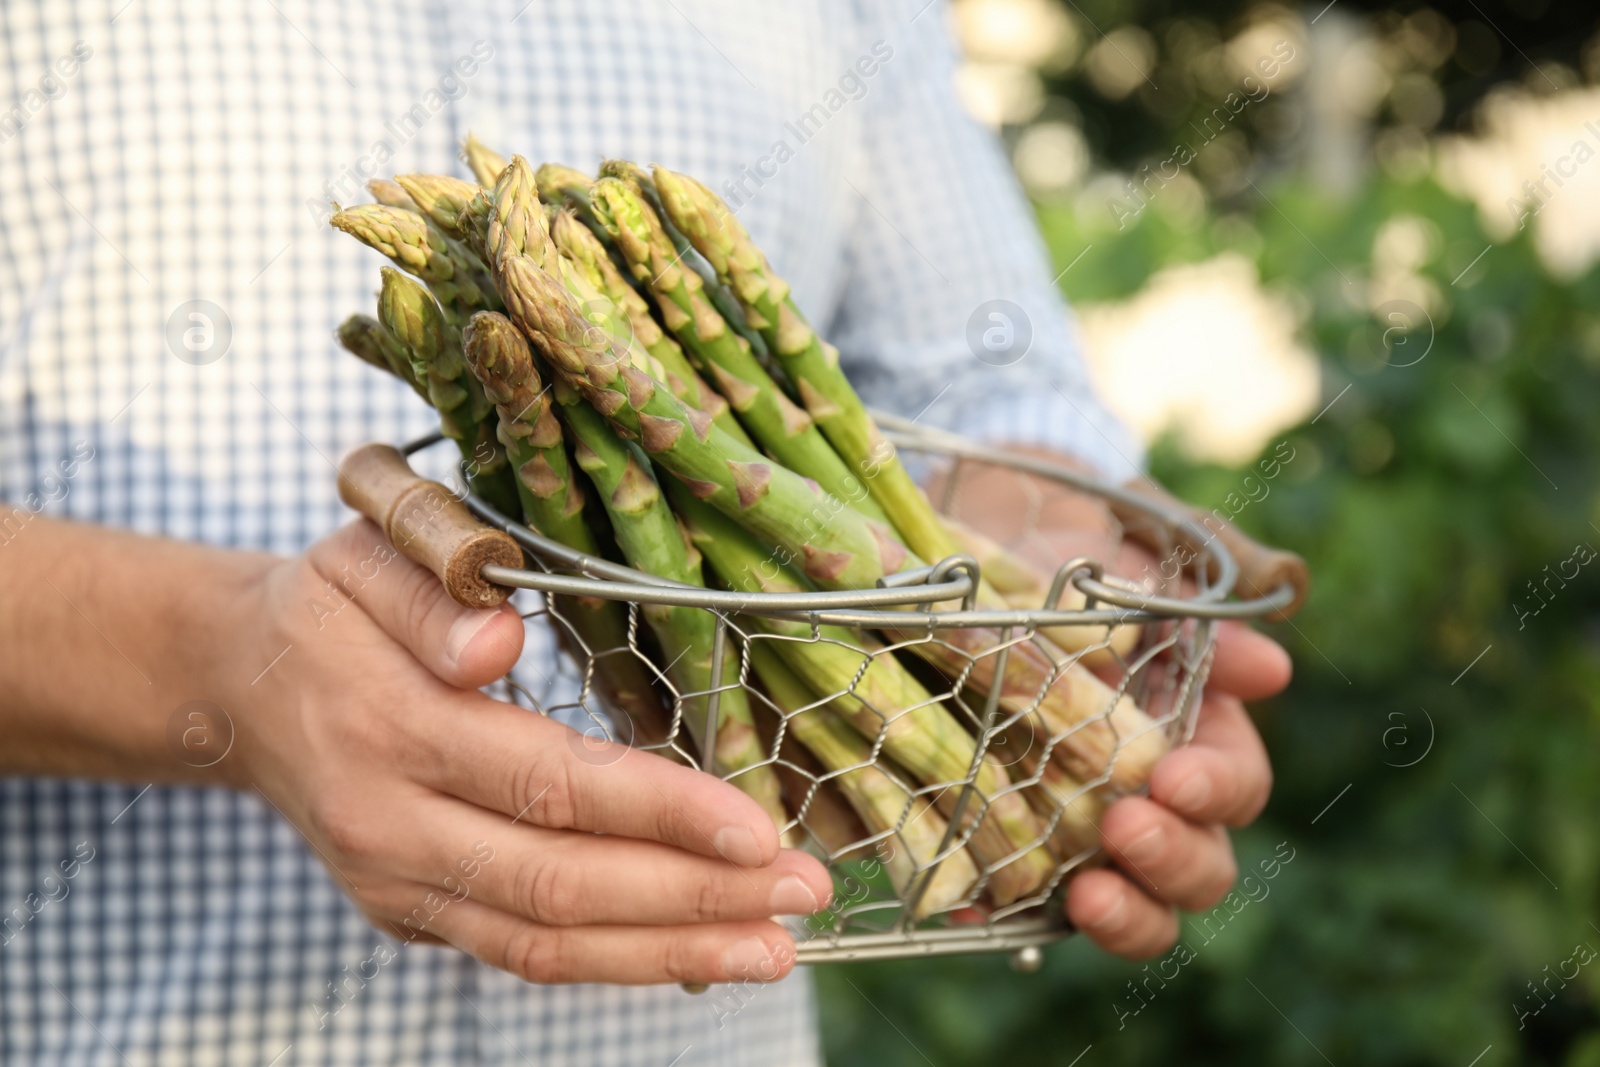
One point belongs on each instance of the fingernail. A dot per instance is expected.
(1147, 846)
(791, 896)
(737, 844)
(464, 629)
(1114, 917)
(749, 958)
(1192, 794)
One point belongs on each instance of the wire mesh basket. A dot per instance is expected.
(922, 865)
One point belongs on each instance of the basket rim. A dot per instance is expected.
(951, 579)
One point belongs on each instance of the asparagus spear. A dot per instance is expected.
(552, 503)
(484, 162)
(725, 303)
(783, 429)
(1023, 586)
(811, 364)
(838, 546)
(874, 692)
(440, 197)
(433, 348)
(368, 339)
(512, 221)
(419, 247)
(815, 804)
(1071, 809)
(387, 192)
(889, 808)
(1094, 731)
(650, 540)
(588, 257)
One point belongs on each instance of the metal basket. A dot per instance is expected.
(873, 915)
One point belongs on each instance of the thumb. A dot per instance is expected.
(465, 647)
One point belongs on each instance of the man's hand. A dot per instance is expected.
(1170, 849)
(591, 863)
(350, 680)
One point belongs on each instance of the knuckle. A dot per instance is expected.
(681, 962)
(710, 899)
(551, 787)
(551, 892)
(535, 955)
(420, 596)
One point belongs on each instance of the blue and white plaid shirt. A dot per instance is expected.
(155, 152)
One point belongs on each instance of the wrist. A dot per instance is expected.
(222, 640)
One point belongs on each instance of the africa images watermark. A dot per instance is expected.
(54, 487)
(851, 86)
(1539, 192)
(349, 182)
(53, 888)
(52, 85)
(349, 984)
(1168, 967)
(1184, 153)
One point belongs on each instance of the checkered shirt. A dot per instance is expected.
(158, 152)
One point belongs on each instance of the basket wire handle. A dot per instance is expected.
(1261, 569)
(428, 524)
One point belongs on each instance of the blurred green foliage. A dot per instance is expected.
(1459, 861)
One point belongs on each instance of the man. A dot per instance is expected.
(170, 408)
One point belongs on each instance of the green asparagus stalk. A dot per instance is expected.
(552, 503)
(387, 192)
(1072, 700)
(874, 692)
(650, 540)
(368, 339)
(1096, 733)
(721, 299)
(1071, 809)
(512, 221)
(1024, 586)
(837, 546)
(825, 815)
(912, 829)
(587, 256)
(419, 247)
(810, 363)
(559, 184)
(783, 429)
(432, 345)
(484, 162)
(442, 198)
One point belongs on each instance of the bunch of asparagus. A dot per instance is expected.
(623, 369)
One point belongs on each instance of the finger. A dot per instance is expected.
(562, 878)
(1173, 860)
(1249, 665)
(1118, 917)
(536, 770)
(465, 647)
(757, 950)
(1223, 774)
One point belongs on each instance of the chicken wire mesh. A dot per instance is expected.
(951, 810)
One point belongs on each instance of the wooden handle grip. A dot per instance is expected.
(427, 523)
(1261, 569)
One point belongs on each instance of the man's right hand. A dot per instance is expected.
(442, 813)
(608, 864)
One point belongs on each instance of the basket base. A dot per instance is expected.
(917, 944)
